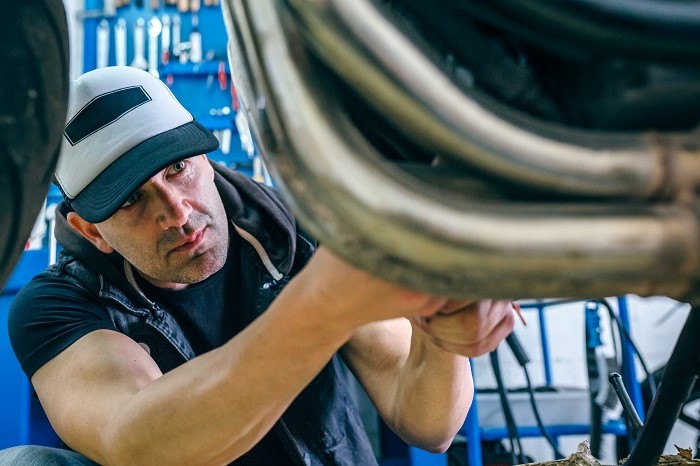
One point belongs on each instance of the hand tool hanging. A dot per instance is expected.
(120, 42)
(176, 35)
(223, 85)
(139, 60)
(226, 132)
(226, 141)
(165, 40)
(221, 75)
(154, 29)
(195, 35)
(103, 44)
(109, 8)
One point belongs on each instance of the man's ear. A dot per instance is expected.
(89, 231)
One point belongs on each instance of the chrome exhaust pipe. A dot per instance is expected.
(613, 213)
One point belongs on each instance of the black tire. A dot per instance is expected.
(33, 104)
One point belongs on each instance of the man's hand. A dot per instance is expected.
(419, 380)
(469, 328)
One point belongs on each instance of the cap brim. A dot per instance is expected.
(111, 188)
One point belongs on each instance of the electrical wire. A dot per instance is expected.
(625, 333)
(624, 337)
(557, 454)
(513, 434)
(665, 315)
(596, 368)
(523, 360)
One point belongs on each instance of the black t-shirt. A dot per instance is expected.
(49, 315)
(205, 311)
(211, 329)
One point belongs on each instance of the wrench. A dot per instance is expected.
(176, 35)
(103, 44)
(165, 40)
(154, 28)
(120, 42)
(139, 60)
(195, 40)
(109, 8)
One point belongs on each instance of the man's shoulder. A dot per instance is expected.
(49, 313)
(68, 277)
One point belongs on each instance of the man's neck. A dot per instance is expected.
(160, 283)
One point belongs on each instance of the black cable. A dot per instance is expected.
(513, 434)
(625, 333)
(596, 430)
(523, 360)
(553, 302)
(593, 372)
(689, 420)
(667, 313)
(615, 345)
(557, 454)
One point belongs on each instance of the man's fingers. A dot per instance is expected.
(454, 306)
(474, 329)
(471, 323)
(475, 348)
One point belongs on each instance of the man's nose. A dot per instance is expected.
(174, 208)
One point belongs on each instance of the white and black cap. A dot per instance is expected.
(123, 126)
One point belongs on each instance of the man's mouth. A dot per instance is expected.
(190, 242)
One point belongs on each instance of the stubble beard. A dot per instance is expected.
(188, 270)
(199, 267)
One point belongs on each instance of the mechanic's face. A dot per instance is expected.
(173, 230)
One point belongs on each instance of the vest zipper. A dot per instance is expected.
(288, 434)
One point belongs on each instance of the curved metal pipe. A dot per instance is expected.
(643, 29)
(388, 70)
(380, 218)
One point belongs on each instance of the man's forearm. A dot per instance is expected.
(223, 402)
(422, 392)
(434, 390)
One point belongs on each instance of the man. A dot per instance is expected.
(188, 323)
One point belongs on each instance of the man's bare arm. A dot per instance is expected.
(107, 399)
(419, 378)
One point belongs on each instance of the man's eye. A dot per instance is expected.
(177, 167)
(131, 199)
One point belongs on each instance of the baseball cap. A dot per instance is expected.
(123, 126)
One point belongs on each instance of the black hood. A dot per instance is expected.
(258, 210)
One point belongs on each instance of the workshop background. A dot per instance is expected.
(195, 66)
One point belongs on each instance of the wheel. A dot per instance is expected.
(33, 105)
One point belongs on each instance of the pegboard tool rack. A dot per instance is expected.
(204, 87)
